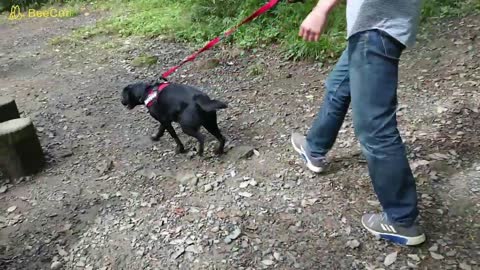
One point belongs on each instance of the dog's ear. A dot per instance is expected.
(133, 94)
(139, 87)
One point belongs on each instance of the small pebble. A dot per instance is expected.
(436, 256)
(451, 253)
(353, 244)
(56, 265)
(245, 194)
(233, 235)
(465, 266)
(268, 262)
(390, 258)
(414, 257)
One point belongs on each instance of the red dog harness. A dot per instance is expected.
(153, 94)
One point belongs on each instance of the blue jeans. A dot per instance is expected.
(366, 76)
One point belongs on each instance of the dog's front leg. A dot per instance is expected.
(161, 131)
(180, 148)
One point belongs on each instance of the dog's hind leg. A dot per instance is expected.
(180, 148)
(211, 126)
(161, 131)
(197, 135)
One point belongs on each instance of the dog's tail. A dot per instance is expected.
(208, 104)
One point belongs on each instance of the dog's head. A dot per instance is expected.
(133, 94)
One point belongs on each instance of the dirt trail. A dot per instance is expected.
(111, 199)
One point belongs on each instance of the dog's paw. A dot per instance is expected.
(154, 138)
(219, 151)
(199, 151)
(180, 150)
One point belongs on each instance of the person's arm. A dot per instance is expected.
(313, 26)
(326, 5)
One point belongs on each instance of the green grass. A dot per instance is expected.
(144, 60)
(147, 18)
(257, 69)
(433, 9)
(198, 21)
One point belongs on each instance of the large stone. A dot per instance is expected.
(20, 150)
(187, 178)
(8, 109)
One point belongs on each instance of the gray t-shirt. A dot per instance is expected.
(399, 18)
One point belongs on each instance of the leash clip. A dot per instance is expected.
(163, 78)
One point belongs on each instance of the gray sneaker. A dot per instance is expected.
(299, 143)
(379, 225)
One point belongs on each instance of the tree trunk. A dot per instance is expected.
(20, 150)
(8, 109)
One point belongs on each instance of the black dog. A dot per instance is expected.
(186, 105)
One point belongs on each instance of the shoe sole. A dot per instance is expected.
(396, 238)
(310, 166)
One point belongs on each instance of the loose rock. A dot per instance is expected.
(308, 202)
(241, 152)
(268, 262)
(451, 253)
(207, 187)
(233, 235)
(464, 266)
(179, 252)
(436, 256)
(105, 166)
(56, 265)
(187, 178)
(245, 194)
(353, 244)
(390, 258)
(194, 249)
(414, 257)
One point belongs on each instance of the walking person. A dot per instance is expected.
(366, 76)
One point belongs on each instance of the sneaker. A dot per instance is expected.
(379, 225)
(299, 143)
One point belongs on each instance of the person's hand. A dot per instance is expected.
(313, 26)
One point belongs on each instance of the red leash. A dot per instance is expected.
(260, 11)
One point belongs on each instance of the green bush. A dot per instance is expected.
(201, 20)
